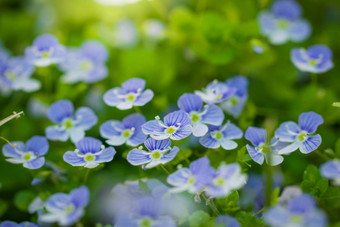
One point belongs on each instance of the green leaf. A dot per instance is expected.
(23, 199)
(313, 183)
(199, 219)
(182, 155)
(275, 196)
(228, 204)
(247, 219)
(3, 207)
(242, 155)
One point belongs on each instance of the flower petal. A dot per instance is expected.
(106, 155)
(35, 163)
(152, 144)
(109, 129)
(256, 135)
(137, 138)
(209, 142)
(9, 151)
(330, 169)
(171, 155)
(89, 145)
(311, 144)
(182, 133)
(111, 97)
(256, 156)
(290, 148)
(38, 144)
(309, 121)
(228, 144)
(138, 157)
(60, 110)
(55, 133)
(76, 134)
(189, 102)
(177, 117)
(287, 131)
(199, 129)
(152, 127)
(73, 159)
(144, 98)
(85, 118)
(135, 120)
(80, 196)
(231, 131)
(133, 85)
(274, 159)
(213, 116)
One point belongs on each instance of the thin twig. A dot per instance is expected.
(14, 115)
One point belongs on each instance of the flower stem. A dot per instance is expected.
(14, 115)
(86, 176)
(322, 155)
(212, 206)
(137, 109)
(164, 169)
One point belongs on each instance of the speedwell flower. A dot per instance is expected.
(227, 221)
(130, 94)
(31, 154)
(316, 59)
(299, 136)
(45, 51)
(66, 209)
(67, 124)
(176, 126)
(160, 152)
(331, 170)
(14, 224)
(216, 92)
(200, 118)
(127, 131)
(90, 153)
(222, 136)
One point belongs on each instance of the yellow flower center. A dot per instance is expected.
(126, 133)
(145, 223)
(302, 136)
(217, 135)
(130, 97)
(69, 208)
(89, 157)
(283, 24)
(156, 155)
(191, 180)
(233, 101)
(195, 117)
(170, 130)
(27, 156)
(219, 181)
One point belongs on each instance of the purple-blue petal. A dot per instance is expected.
(95, 51)
(85, 118)
(189, 102)
(256, 135)
(152, 144)
(287, 9)
(213, 116)
(177, 117)
(144, 98)
(138, 157)
(37, 144)
(89, 145)
(256, 156)
(80, 196)
(35, 163)
(309, 121)
(60, 110)
(209, 142)
(133, 121)
(55, 133)
(311, 144)
(73, 159)
(133, 85)
(106, 155)
(331, 169)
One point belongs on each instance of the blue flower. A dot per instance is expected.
(29, 154)
(128, 131)
(316, 59)
(176, 126)
(66, 209)
(227, 221)
(299, 136)
(222, 136)
(300, 211)
(14, 224)
(45, 51)
(192, 179)
(258, 49)
(160, 153)
(226, 179)
(200, 118)
(15, 74)
(235, 104)
(259, 151)
(90, 153)
(85, 64)
(216, 92)
(125, 34)
(331, 170)
(130, 94)
(67, 124)
(284, 23)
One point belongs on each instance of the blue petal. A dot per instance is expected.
(57, 202)
(318, 50)
(169, 156)
(301, 204)
(179, 116)
(133, 85)
(283, 132)
(9, 151)
(98, 73)
(80, 196)
(60, 110)
(256, 135)
(45, 42)
(182, 132)
(199, 129)
(267, 23)
(116, 140)
(108, 129)
(152, 127)
(110, 97)
(209, 142)
(330, 169)
(55, 133)
(137, 138)
(213, 116)
(287, 9)
(311, 144)
(290, 148)
(300, 30)
(152, 144)
(227, 221)
(276, 216)
(37, 144)
(275, 159)
(85, 118)
(239, 82)
(228, 144)
(106, 155)
(95, 51)
(190, 102)
(232, 132)
(73, 159)
(200, 165)
(76, 134)
(89, 145)
(138, 157)
(256, 156)
(179, 178)
(148, 206)
(144, 98)
(35, 163)
(134, 121)
(309, 121)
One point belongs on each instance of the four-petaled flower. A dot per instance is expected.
(299, 136)
(221, 136)
(66, 209)
(331, 170)
(160, 153)
(216, 92)
(69, 125)
(45, 51)
(176, 126)
(226, 220)
(260, 149)
(130, 94)
(14, 224)
(127, 131)
(316, 59)
(192, 179)
(200, 118)
(29, 154)
(85, 64)
(90, 153)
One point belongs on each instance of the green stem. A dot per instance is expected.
(260, 211)
(314, 79)
(137, 109)
(268, 185)
(211, 205)
(86, 176)
(164, 169)
(322, 155)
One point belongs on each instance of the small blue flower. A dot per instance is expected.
(200, 118)
(85, 64)
(216, 92)
(284, 23)
(130, 94)
(69, 125)
(160, 153)
(222, 136)
(299, 136)
(90, 153)
(259, 151)
(227, 221)
(128, 131)
(331, 170)
(29, 154)
(154, 29)
(192, 179)
(316, 59)
(15, 73)
(125, 34)
(45, 51)
(176, 126)
(14, 224)
(235, 104)
(226, 179)
(258, 49)
(66, 209)
(300, 211)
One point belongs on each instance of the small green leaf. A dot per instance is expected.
(228, 204)
(199, 219)
(23, 199)
(275, 196)
(313, 183)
